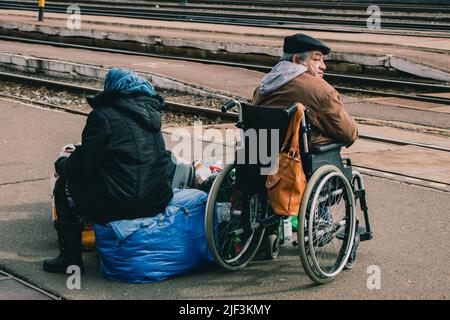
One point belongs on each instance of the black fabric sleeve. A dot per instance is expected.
(90, 155)
(60, 166)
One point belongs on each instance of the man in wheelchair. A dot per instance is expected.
(328, 232)
(298, 77)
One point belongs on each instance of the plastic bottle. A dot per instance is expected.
(223, 210)
(237, 245)
(294, 222)
(287, 231)
(202, 172)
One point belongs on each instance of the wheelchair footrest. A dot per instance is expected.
(270, 221)
(366, 236)
(361, 231)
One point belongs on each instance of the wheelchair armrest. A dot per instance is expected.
(320, 148)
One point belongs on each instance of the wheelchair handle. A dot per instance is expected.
(229, 105)
(291, 110)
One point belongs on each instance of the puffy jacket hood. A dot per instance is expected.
(281, 74)
(126, 82)
(125, 91)
(142, 108)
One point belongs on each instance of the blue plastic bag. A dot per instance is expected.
(154, 249)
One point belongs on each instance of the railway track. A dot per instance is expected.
(400, 6)
(89, 90)
(421, 87)
(253, 19)
(232, 117)
(272, 10)
(177, 107)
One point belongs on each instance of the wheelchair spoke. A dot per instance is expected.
(238, 227)
(236, 232)
(226, 242)
(329, 211)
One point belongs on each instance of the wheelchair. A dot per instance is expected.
(239, 218)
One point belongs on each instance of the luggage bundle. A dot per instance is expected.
(171, 243)
(180, 172)
(153, 249)
(197, 175)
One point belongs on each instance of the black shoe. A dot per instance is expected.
(61, 263)
(325, 239)
(69, 240)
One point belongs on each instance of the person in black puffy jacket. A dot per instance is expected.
(120, 169)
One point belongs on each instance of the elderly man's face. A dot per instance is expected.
(314, 63)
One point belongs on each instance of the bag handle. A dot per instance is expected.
(290, 131)
(294, 129)
(295, 145)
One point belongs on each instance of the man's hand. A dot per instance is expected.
(67, 150)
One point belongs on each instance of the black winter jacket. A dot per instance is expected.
(120, 169)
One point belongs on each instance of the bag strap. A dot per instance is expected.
(294, 130)
(290, 130)
(295, 144)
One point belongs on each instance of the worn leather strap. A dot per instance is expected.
(294, 129)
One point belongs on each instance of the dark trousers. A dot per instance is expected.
(65, 206)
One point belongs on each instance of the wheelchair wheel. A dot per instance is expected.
(273, 246)
(352, 259)
(326, 228)
(350, 263)
(232, 221)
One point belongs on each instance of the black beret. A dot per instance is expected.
(300, 42)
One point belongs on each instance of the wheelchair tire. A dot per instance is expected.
(273, 246)
(352, 259)
(318, 227)
(350, 264)
(221, 234)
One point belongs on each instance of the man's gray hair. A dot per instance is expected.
(290, 56)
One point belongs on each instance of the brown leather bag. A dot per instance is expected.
(285, 186)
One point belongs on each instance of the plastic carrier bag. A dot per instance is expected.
(154, 249)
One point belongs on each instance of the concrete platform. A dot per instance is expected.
(421, 55)
(196, 78)
(411, 104)
(69, 63)
(12, 288)
(410, 225)
(428, 167)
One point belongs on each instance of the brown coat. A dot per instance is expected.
(329, 121)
